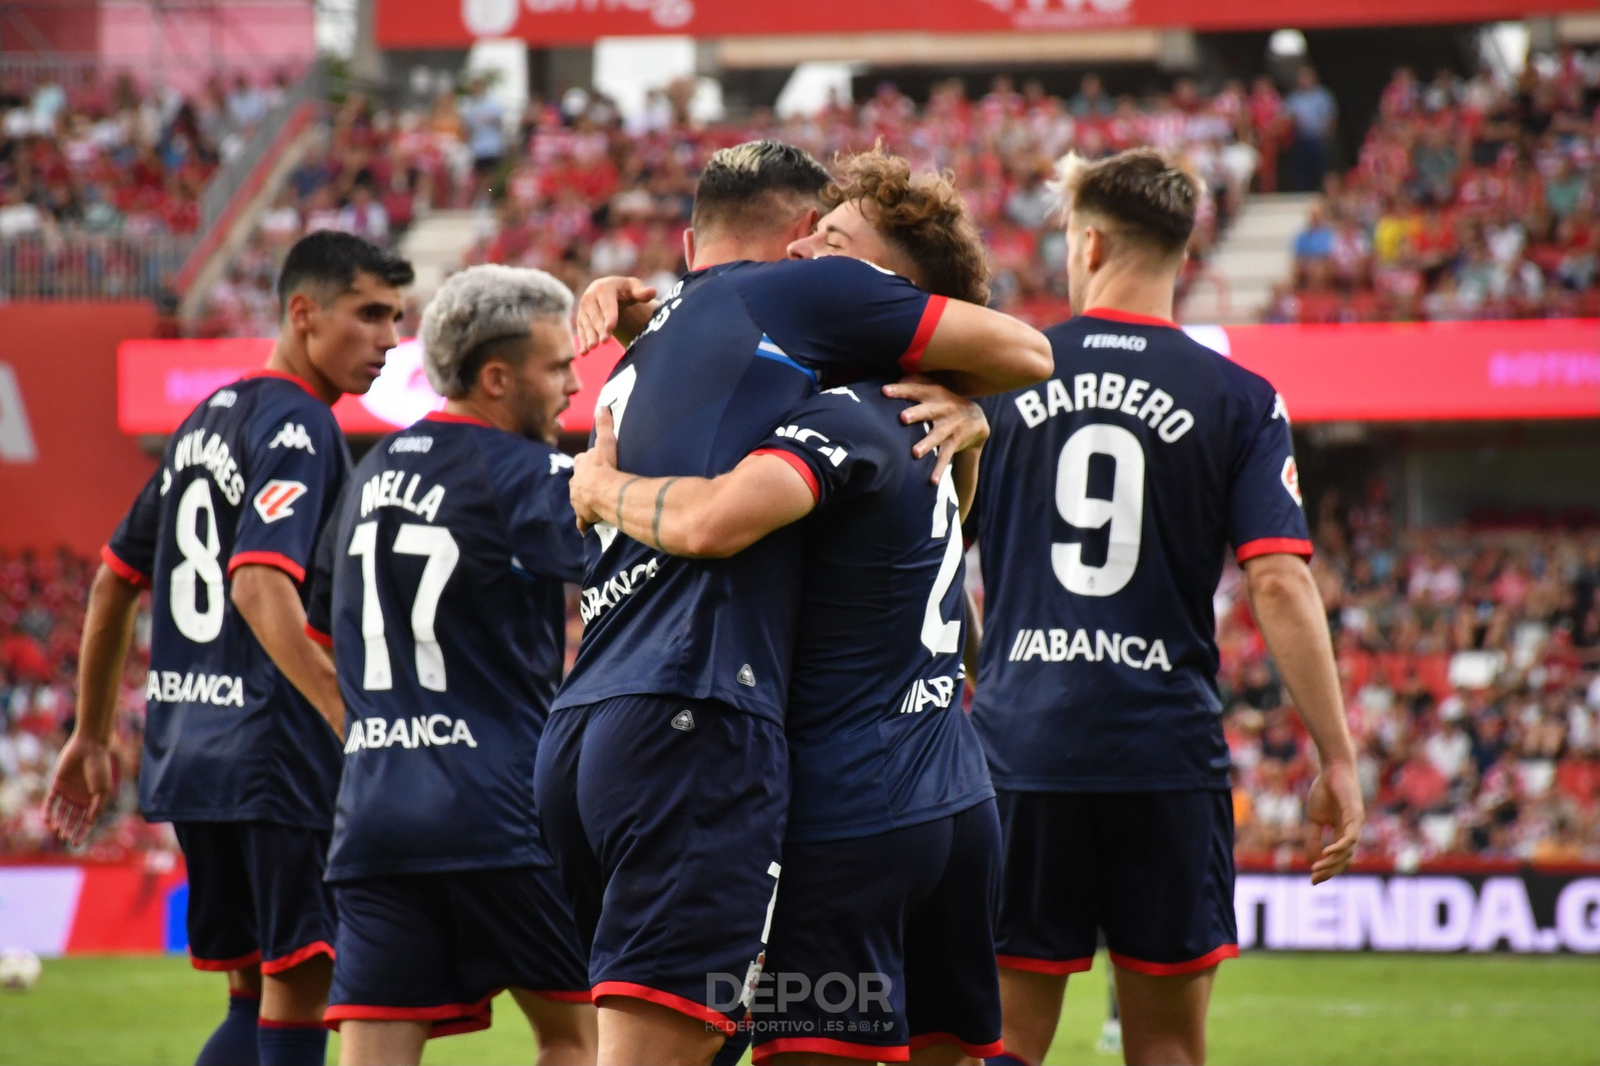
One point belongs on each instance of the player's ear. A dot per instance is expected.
(1095, 247)
(300, 309)
(806, 224)
(688, 247)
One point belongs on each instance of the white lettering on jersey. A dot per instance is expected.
(292, 435)
(601, 598)
(1291, 480)
(1126, 342)
(169, 686)
(1106, 392)
(923, 693)
(1065, 645)
(834, 453)
(224, 398)
(383, 490)
(274, 500)
(417, 445)
(559, 461)
(842, 390)
(199, 448)
(422, 731)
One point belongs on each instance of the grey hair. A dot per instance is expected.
(482, 304)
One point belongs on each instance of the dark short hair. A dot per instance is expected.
(1145, 197)
(328, 261)
(742, 186)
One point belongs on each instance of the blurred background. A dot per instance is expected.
(1402, 231)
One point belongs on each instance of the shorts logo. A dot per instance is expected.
(683, 722)
(272, 502)
(747, 676)
(1291, 479)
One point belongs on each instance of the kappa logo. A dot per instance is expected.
(292, 435)
(272, 502)
(1279, 408)
(842, 390)
(747, 676)
(683, 721)
(1291, 479)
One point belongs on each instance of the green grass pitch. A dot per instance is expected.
(1280, 1009)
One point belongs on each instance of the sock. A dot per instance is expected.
(292, 1043)
(1005, 1058)
(234, 1042)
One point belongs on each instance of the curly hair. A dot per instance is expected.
(920, 214)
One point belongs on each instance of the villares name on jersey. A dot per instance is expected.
(1107, 500)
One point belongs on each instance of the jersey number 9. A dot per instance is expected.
(1124, 510)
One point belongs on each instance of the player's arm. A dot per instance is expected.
(973, 643)
(82, 781)
(268, 601)
(699, 518)
(613, 307)
(977, 351)
(1294, 624)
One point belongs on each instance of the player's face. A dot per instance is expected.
(348, 340)
(847, 230)
(545, 383)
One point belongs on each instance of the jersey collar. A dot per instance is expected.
(263, 372)
(446, 416)
(1129, 317)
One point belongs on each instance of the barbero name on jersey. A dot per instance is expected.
(423, 731)
(169, 686)
(1107, 392)
(383, 489)
(1067, 645)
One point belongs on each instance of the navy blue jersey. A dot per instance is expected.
(1107, 498)
(731, 349)
(249, 477)
(439, 585)
(878, 739)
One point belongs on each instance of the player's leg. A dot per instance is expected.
(685, 813)
(952, 985)
(1168, 916)
(222, 936)
(567, 1032)
(294, 915)
(372, 1043)
(1048, 913)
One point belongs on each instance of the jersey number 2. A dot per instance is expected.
(434, 542)
(939, 636)
(1124, 510)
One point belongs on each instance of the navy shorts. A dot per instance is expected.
(1153, 870)
(256, 894)
(884, 944)
(666, 816)
(437, 947)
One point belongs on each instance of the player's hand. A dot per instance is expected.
(589, 467)
(1335, 803)
(79, 789)
(601, 308)
(958, 423)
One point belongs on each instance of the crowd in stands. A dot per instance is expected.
(1470, 661)
(1470, 200)
(94, 172)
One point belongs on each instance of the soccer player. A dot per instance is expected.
(662, 776)
(891, 859)
(439, 586)
(241, 745)
(1108, 498)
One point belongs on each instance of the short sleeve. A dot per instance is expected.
(296, 465)
(837, 443)
(533, 483)
(838, 313)
(1265, 514)
(319, 585)
(131, 552)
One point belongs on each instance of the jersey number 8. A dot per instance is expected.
(434, 542)
(201, 566)
(1124, 510)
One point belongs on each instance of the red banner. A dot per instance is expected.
(1448, 371)
(457, 23)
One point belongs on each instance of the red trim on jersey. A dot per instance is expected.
(1273, 546)
(475, 1024)
(273, 559)
(667, 999)
(929, 322)
(296, 957)
(801, 467)
(281, 1023)
(1058, 967)
(318, 635)
(1174, 969)
(762, 1053)
(282, 376)
(221, 965)
(448, 1019)
(446, 416)
(1112, 315)
(132, 575)
(977, 1051)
